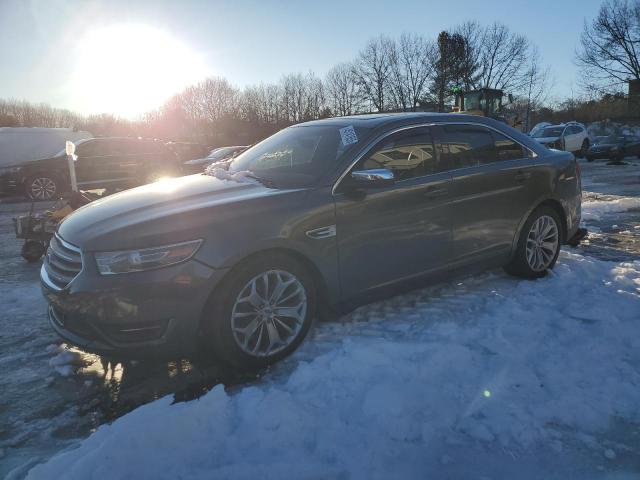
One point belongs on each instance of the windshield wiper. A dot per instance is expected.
(264, 181)
(243, 176)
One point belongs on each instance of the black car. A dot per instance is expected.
(216, 155)
(112, 163)
(614, 147)
(316, 218)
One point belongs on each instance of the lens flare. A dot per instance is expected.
(130, 69)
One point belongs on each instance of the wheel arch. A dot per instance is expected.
(553, 203)
(322, 291)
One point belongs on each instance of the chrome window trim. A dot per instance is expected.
(67, 244)
(382, 136)
(44, 276)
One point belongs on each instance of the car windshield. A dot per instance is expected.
(549, 132)
(298, 156)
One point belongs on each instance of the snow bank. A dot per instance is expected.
(64, 362)
(595, 209)
(22, 144)
(400, 385)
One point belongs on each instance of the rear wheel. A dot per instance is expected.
(582, 153)
(41, 187)
(538, 245)
(262, 312)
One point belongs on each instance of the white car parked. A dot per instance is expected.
(571, 136)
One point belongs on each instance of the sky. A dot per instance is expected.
(82, 54)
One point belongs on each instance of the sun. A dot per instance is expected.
(130, 69)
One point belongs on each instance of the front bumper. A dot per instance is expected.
(135, 315)
(599, 154)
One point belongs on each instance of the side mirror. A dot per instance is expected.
(372, 178)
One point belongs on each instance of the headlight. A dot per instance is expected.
(9, 170)
(125, 261)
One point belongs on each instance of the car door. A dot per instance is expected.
(490, 189)
(402, 230)
(133, 161)
(632, 146)
(89, 164)
(99, 163)
(573, 139)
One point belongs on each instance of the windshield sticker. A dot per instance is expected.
(348, 135)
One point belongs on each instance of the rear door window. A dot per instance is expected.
(507, 149)
(464, 146)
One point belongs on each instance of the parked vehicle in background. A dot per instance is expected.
(614, 147)
(538, 127)
(112, 163)
(22, 144)
(571, 137)
(186, 151)
(319, 216)
(215, 156)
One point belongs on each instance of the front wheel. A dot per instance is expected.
(41, 187)
(262, 312)
(582, 153)
(538, 245)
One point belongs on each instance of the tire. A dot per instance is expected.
(249, 344)
(42, 187)
(582, 153)
(32, 250)
(524, 264)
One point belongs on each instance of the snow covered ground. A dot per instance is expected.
(490, 376)
(481, 377)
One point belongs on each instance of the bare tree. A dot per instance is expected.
(609, 53)
(372, 70)
(411, 70)
(302, 97)
(503, 58)
(536, 88)
(468, 62)
(342, 90)
(217, 98)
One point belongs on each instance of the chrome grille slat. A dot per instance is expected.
(62, 263)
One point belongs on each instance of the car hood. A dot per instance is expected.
(163, 212)
(546, 139)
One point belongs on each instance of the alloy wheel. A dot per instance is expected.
(42, 188)
(269, 313)
(542, 243)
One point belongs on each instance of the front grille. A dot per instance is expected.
(62, 263)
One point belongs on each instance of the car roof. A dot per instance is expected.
(126, 138)
(388, 121)
(375, 120)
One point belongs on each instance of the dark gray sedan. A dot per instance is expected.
(614, 147)
(319, 217)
